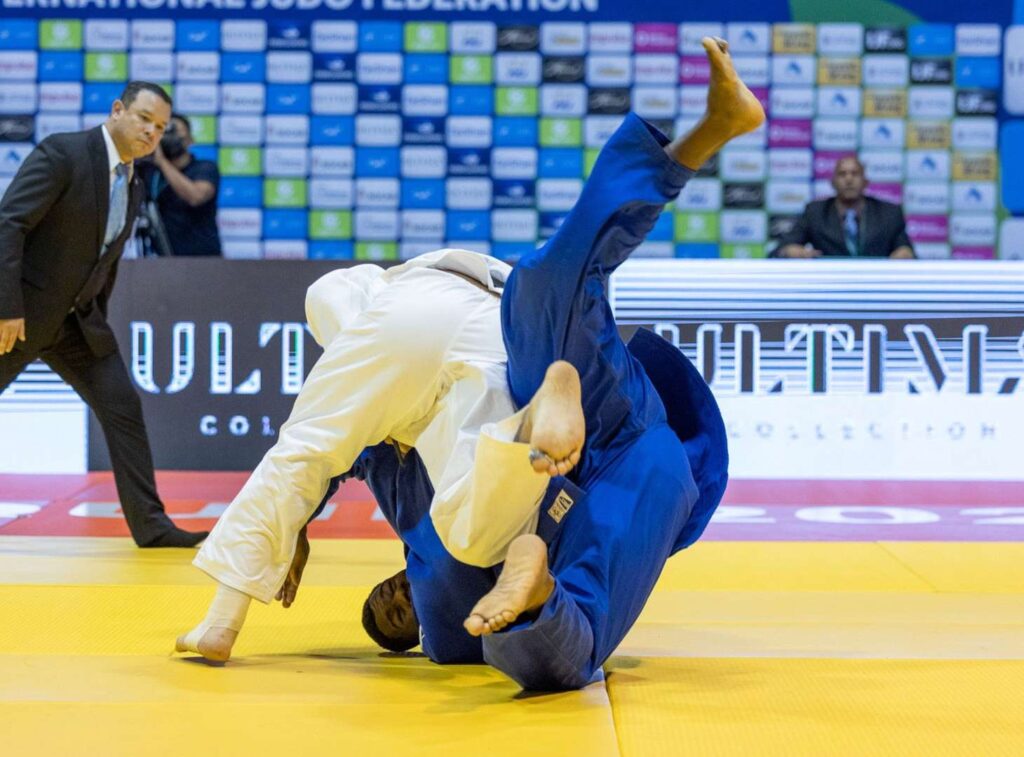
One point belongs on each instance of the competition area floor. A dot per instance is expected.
(816, 618)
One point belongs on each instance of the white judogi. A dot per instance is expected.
(413, 354)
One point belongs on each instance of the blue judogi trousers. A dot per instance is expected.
(635, 473)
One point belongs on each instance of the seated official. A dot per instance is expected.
(184, 189)
(849, 224)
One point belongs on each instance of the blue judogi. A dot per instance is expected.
(654, 463)
(651, 487)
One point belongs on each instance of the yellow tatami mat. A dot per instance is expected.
(745, 648)
(818, 707)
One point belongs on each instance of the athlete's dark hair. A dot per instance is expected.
(390, 643)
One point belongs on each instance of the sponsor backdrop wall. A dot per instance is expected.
(823, 370)
(376, 129)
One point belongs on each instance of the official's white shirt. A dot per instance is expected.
(114, 157)
(413, 354)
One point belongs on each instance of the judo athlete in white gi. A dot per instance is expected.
(650, 475)
(414, 356)
(654, 462)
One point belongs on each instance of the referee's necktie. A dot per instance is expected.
(118, 204)
(850, 231)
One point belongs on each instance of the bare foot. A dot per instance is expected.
(553, 424)
(212, 643)
(732, 110)
(731, 105)
(523, 586)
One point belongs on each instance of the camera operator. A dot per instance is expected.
(184, 189)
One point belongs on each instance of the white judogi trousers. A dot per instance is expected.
(413, 354)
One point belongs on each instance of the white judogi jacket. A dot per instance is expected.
(413, 354)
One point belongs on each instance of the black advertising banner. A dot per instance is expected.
(822, 368)
(217, 350)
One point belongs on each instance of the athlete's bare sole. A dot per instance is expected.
(553, 425)
(732, 110)
(523, 586)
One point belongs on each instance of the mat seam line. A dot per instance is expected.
(909, 567)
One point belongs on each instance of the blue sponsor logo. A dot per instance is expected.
(469, 161)
(10, 159)
(97, 97)
(197, 35)
(334, 67)
(510, 131)
(243, 67)
(560, 163)
(18, 34)
(663, 229)
(288, 98)
(205, 152)
(380, 37)
(978, 73)
(511, 251)
(882, 131)
(471, 101)
(1011, 142)
(279, 223)
(693, 250)
(332, 130)
(377, 161)
(424, 68)
(62, 66)
(423, 130)
(468, 224)
(423, 194)
(240, 191)
(515, 193)
(288, 35)
(550, 222)
(931, 39)
(331, 249)
(380, 98)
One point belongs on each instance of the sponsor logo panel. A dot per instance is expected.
(563, 38)
(1013, 71)
(793, 39)
(609, 37)
(926, 198)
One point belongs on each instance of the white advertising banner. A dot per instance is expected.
(849, 370)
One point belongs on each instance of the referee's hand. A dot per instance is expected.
(11, 330)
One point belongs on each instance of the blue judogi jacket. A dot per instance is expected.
(444, 590)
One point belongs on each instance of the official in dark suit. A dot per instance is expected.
(849, 224)
(64, 221)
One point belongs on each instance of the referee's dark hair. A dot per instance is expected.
(134, 88)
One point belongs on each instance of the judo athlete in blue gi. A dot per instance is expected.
(654, 463)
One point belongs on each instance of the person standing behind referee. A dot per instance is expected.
(185, 190)
(64, 221)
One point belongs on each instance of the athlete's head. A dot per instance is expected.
(389, 617)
